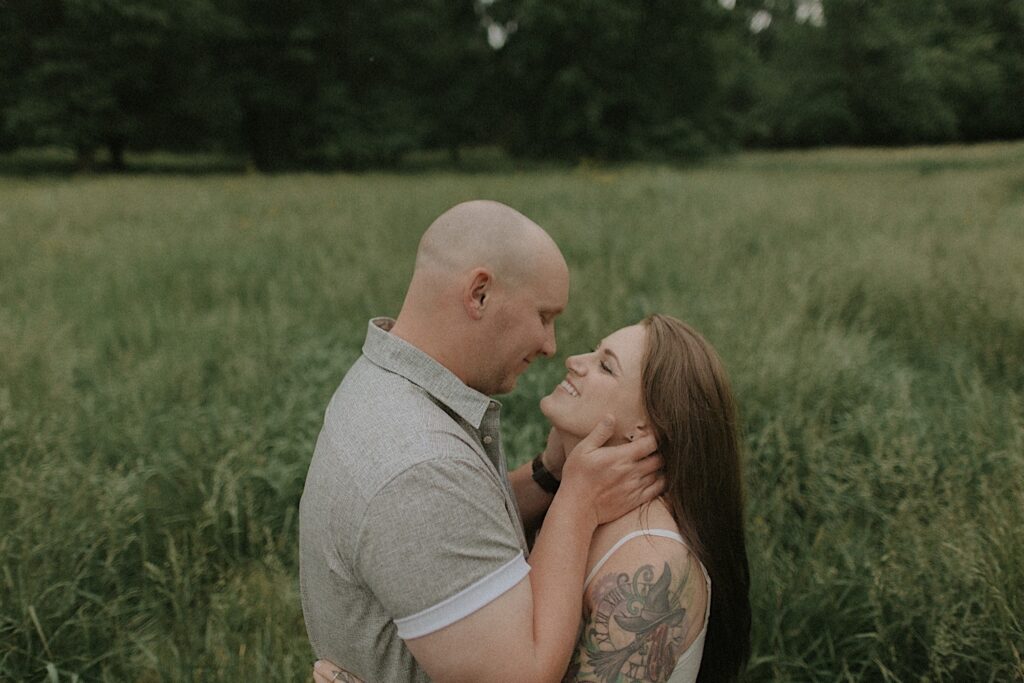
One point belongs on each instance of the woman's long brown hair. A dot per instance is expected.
(687, 396)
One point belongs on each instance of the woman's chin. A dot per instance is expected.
(547, 408)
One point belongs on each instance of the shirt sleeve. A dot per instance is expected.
(437, 544)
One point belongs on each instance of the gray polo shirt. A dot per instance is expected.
(407, 521)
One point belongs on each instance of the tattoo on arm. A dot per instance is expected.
(636, 630)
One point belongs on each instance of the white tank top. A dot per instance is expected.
(688, 664)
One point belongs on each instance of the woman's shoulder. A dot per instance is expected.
(647, 538)
(654, 516)
(644, 583)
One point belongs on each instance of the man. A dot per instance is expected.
(412, 546)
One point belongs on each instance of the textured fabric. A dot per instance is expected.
(465, 602)
(406, 507)
(688, 665)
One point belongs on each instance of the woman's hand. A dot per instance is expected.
(612, 480)
(326, 671)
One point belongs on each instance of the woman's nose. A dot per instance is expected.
(575, 365)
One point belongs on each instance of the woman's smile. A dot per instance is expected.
(568, 387)
(601, 382)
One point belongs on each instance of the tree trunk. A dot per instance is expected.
(116, 148)
(85, 158)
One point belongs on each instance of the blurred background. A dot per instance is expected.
(364, 83)
(202, 202)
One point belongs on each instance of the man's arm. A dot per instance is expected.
(534, 501)
(527, 634)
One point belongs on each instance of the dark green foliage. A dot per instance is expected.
(892, 72)
(104, 73)
(361, 83)
(610, 78)
(402, 77)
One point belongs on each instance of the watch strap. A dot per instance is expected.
(544, 479)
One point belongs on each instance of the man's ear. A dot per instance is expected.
(477, 293)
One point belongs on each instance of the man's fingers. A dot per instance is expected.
(325, 671)
(320, 669)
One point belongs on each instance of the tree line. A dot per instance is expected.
(360, 83)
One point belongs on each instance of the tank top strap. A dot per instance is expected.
(661, 533)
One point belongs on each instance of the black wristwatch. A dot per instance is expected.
(544, 479)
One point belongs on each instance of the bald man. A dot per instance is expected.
(414, 563)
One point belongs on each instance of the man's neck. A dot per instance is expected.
(423, 335)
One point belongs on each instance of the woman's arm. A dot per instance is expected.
(528, 633)
(642, 611)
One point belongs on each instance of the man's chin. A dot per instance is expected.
(506, 388)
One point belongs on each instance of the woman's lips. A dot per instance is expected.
(568, 388)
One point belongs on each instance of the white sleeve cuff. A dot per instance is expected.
(465, 602)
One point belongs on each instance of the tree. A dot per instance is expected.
(892, 72)
(102, 73)
(609, 78)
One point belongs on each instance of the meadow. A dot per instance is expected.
(168, 343)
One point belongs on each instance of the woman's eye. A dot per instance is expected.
(606, 368)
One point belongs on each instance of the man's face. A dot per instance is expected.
(525, 326)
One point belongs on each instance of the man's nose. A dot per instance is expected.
(550, 344)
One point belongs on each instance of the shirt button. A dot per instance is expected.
(488, 440)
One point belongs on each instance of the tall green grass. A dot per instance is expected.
(168, 345)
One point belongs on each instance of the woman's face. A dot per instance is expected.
(606, 380)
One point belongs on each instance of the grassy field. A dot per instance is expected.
(168, 344)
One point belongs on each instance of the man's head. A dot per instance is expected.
(487, 287)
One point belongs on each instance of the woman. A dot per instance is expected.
(649, 610)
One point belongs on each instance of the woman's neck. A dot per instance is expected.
(570, 441)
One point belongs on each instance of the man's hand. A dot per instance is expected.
(326, 671)
(553, 457)
(612, 479)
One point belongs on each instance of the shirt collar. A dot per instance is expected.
(402, 358)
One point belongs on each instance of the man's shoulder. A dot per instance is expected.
(370, 392)
(379, 424)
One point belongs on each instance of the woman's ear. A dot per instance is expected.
(477, 293)
(638, 430)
